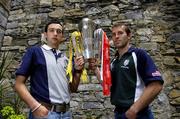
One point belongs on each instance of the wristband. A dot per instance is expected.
(77, 71)
(36, 108)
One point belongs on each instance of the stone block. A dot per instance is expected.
(12, 25)
(7, 41)
(158, 38)
(149, 46)
(174, 94)
(92, 105)
(58, 2)
(58, 13)
(145, 31)
(46, 2)
(3, 21)
(174, 38)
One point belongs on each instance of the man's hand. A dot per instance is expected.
(79, 62)
(78, 66)
(131, 113)
(92, 64)
(41, 112)
(149, 94)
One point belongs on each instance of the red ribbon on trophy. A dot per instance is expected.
(102, 50)
(105, 63)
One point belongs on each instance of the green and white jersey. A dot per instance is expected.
(130, 74)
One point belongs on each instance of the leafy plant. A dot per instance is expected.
(9, 113)
(4, 64)
(7, 94)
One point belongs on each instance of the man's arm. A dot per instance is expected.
(98, 74)
(23, 92)
(93, 66)
(75, 82)
(149, 94)
(79, 65)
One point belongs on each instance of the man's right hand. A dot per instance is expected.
(92, 63)
(93, 66)
(42, 111)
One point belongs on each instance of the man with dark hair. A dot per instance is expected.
(50, 89)
(136, 80)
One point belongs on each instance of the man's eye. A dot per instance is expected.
(113, 34)
(119, 33)
(59, 31)
(51, 30)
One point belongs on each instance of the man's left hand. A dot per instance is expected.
(79, 62)
(131, 114)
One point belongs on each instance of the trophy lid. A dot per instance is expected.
(87, 23)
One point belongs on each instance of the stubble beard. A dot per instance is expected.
(122, 45)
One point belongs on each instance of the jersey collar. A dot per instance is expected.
(46, 47)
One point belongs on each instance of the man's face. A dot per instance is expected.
(120, 37)
(54, 34)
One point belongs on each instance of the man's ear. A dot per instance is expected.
(43, 37)
(45, 34)
(129, 36)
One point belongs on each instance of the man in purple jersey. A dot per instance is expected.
(136, 80)
(45, 65)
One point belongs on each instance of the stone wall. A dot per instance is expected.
(155, 26)
(4, 13)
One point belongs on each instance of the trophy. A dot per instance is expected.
(92, 44)
(81, 43)
(96, 46)
(87, 28)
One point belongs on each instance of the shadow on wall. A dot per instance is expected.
(174, 38)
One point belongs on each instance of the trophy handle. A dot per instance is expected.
(98, 37)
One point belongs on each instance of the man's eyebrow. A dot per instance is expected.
(55, 28)
(58, 29)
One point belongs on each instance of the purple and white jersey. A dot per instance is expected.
(48, 81)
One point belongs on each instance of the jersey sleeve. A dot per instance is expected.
(25, 66)
(147, 68)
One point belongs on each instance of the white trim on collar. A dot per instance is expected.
(46, 47)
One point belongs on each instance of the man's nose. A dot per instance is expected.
(116, 35)
(55, 32)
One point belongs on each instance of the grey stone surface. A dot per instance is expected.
(155, 27)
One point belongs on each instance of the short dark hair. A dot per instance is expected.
(53, 22)
(119, 24)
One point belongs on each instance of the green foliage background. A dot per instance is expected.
(11, 106)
